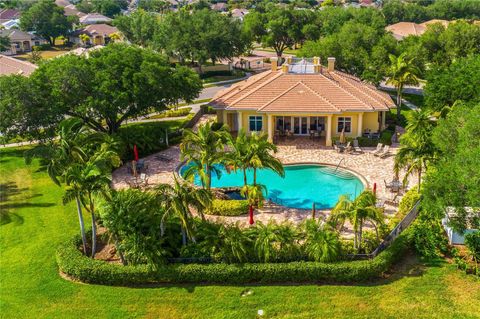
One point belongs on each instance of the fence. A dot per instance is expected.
(402, 225)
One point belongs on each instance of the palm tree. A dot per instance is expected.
(178, 200)
(234, 243)
(202, 150)
(239, 155)
(402, 71)
(255, 198)
(260, 156)
(417, 148)
(264, 237)
(321, 243)
(362, 209)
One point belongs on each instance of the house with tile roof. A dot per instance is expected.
(9, 65)
(21, 41)
(9, 14)
(98, 34)
(402, 30)
(302, 97)
(94, 18)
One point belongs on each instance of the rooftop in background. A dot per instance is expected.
(9, 65)
(303, 85)
(97, 29)
(93, 18)
(9, 14)
(402, 30)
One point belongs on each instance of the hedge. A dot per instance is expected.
(81, 268)
(172, 113)
(223, 207)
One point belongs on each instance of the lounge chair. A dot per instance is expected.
(336, 148)
(378, 149)
(349, 147)
(356, 147)
(385, 152)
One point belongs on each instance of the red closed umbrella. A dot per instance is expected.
(375, 188)
(251, 215)
(135, 153)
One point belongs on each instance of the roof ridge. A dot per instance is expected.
(257, 88)
(346, 91)
(250, 81)
(281, 94)
(341, 76)
(18, 60)
(321, 96)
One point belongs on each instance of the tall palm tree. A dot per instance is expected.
(239, 155)
(202, 150)
(363, 209)
(261, 155)
(402, 71)
(178, 200)
(417, 149)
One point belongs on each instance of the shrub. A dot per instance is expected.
(79, 267)
(173, 113)
(209, 74)
(406, 204)
(208, 109)
(386, 138)
(472, 241)
(428, 238)
(222, 207)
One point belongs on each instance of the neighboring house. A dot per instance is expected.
(9, 65)
(303, 97)
(456, 238)
(62, 3)
(11, 24)
(402, 30)
(9, 14)
(21, 41)
(94, 18)
(239, 13)
(445, 23)
(71, 10)
(99, 34)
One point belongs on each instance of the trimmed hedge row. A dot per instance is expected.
(79, 267)
(223, 207)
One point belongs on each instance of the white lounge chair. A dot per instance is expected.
(356, 147)
(385, 153)
(378, 150)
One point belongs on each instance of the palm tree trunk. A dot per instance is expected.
(419, 178)
(360, 235)
(122, 257)
(209, 177)
(254, 176)
(82, 225)
(399, 102)
(245, 177)
(94, 234)
(184, 237)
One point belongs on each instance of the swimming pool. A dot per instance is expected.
(302, 185)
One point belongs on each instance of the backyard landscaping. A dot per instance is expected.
(34, 223)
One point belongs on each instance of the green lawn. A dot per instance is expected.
(34, 222)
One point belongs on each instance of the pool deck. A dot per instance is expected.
(373, 169)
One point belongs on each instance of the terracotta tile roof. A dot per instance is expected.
(97, 29)
(9, 65)
(323, 92)
(445, 23)
(9, 14)
(401, 30)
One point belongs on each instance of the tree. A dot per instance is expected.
(357, 212)
(239, 155)
(203, 150)
(455, 82)
(178, 200)
(85, 39)
(35, 55)
(46, 19)
(260, 156)
(112, 85)
(402, 72)
(138, 27)
(109, 8)
(160, 6)
(4, 43)
(274, 28)
(416, 150)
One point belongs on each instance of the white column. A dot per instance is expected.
(360, 124)
(270, 127)
(328, 138)
(224, 117)
(384, 115)
(239, 120)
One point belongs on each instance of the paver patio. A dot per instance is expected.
(300, 150)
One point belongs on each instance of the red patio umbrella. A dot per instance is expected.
(374, 188)
(251, 221)
(135, 153)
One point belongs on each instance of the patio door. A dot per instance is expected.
(300, 126)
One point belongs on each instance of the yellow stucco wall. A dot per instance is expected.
(370, 121)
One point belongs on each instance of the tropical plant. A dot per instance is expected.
(417, 148)
(202, 150)
(260, 156)
(255, 198)
(359, 211)
(179, 200)
(402, 71)
(234, 243)
(239, 155)
(321, 242)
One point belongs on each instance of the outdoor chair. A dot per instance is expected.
(356, 147)
(349, 148)
(385, 152)
(378, 150)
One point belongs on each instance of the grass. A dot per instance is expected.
(35, 222)
(218, 78)
(46, 54)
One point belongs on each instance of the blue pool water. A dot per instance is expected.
(300, 188)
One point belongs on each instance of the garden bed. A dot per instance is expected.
(76, 266)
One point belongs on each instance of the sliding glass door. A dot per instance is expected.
(300, 126)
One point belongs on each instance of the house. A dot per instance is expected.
(239, 13)
(21, 41)
(445, 23)
(11, 24)
(402, 30)
(9, 14)
(99, 34)
(219, 6)
(302, 97)
(94, 18)
(455, 237)
(71, 11)
(9, 65)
